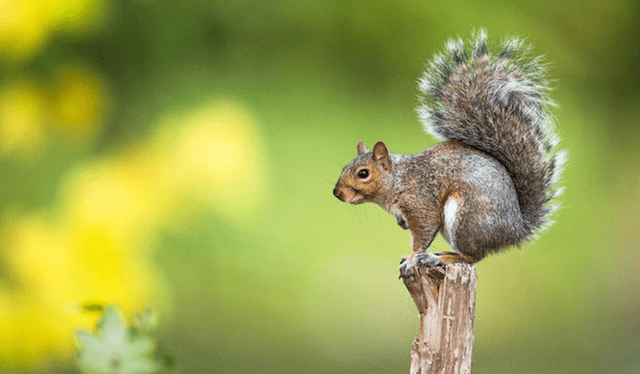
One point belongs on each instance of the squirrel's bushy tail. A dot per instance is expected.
(497, 103)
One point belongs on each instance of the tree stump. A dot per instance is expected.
(445, 298)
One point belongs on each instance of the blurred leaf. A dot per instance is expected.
(114, 349)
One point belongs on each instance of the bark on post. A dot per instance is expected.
(446, 304)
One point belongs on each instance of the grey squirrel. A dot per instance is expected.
(492, 181)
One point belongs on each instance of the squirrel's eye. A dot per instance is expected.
(363, 173)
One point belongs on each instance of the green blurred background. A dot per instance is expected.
(181, 156)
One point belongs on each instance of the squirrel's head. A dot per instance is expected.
(362, 179)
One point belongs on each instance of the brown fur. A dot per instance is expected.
(419, 186)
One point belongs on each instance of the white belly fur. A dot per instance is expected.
(450, 217)
(396, 212)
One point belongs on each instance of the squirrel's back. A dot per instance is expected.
(497, 103)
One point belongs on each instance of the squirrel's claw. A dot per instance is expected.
(422, 258)
(428, 260)
(406, 269)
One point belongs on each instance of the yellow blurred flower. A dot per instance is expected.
(22, 112)
(120, 193)
(29, 322)
(96, 250)
(97, 247)
(26, 333)
(214, 154)
(78, 104)
(26, 24)
(23, 29)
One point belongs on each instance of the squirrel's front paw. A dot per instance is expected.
(422, 258)
(407, 264)
(428, 260)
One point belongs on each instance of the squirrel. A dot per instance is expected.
(492, 182)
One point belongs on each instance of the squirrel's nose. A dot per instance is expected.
(337, 193)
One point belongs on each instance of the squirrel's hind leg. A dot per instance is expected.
(446, 258)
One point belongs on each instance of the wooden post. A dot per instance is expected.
(446, 299)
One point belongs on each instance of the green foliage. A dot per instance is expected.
(116, 348)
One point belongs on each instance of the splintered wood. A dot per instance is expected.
(446, 304)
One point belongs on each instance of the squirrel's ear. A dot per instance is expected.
(381, 155)
(362, 148)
